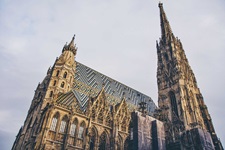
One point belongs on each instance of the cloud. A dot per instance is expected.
(116, 38)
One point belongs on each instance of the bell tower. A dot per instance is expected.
(63, 71)
(180, 101)
(59, 79)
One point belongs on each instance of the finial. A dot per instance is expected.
(160, 4)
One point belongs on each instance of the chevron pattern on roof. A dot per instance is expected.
(89, 82)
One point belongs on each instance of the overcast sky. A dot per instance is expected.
(114, 37)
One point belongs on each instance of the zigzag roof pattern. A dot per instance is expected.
(88, 83)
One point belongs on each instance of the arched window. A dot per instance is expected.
(173, 102)
(65, 74)
(57, 73)
(62, 84)
(54, 122)
(103, 141)
(54, 83)
(93, 139)
(81, 130)
(63, 125)
(126, 144)
(73, 128)
(51, 93)
(119, 143)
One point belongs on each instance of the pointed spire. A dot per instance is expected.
(166, 31)
(71, 47)
(72, 42)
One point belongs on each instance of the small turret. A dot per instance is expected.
(71, 46)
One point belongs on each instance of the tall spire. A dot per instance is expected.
(166, 31)
(71, 46)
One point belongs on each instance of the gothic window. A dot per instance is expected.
(54, 83)
(62, 84)
(81, 130)
(173, 102)
(63, 124)
(102, 141)
(126, 144)
(65, 74)
(54, 122)
(92, 139)
(119, 143)
(51, 93)
(73, 128)
(57, 73)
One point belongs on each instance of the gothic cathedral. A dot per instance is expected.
(76, 107)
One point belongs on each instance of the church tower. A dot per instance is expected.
(181, 105)
(59, 79)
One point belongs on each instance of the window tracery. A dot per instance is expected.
(93, 139)
(54, 122)
(81, 130)
(73, 128)
(63, 125)
(103, 141)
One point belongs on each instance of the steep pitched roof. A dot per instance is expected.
(89, 82)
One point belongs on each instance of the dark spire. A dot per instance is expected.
(166, 32)
(71, 47)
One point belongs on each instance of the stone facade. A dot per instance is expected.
(75, 107)
(181, 105)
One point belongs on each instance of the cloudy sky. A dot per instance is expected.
(114, 37)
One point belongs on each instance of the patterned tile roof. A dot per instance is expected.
(89, 82)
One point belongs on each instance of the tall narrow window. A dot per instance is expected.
(51, 93)
(54, 122)
(62, 84)
(173, 102)
(54, 83)
(92, 139)
(65, 74)
(63, 125)
(81, 130)
(57, 73)
(73, 128)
